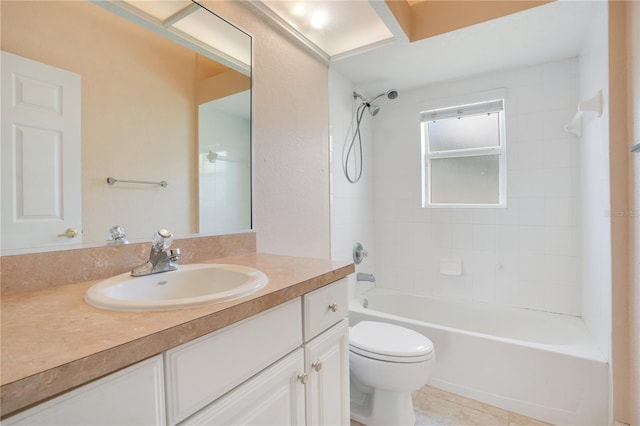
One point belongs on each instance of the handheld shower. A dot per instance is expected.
(357, 159)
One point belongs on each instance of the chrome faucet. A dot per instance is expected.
(161, 259)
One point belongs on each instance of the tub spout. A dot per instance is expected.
(361, 276)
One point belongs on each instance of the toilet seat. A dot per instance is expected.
(388, 342)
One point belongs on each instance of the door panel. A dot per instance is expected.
(41, 169)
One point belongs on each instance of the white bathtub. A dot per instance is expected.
(541, 365)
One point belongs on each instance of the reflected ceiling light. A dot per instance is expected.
(298, 9)
(318, 19)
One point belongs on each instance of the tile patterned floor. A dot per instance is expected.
(436, 407)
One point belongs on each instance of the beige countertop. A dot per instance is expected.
(52, 341)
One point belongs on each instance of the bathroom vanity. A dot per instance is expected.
(279, 356)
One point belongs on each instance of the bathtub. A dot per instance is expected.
(541, 365)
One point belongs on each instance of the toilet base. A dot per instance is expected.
(377, 407)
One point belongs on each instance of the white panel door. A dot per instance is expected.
(327, 362)
(41, 188)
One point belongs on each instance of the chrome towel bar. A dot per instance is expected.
(112, 180)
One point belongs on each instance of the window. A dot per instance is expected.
(464, 162)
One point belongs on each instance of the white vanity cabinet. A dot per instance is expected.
(285, 366)
(132, 396)
(308, 386)
(326, 353)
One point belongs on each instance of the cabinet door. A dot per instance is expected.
(201, 371)
(327, 363)
(273, 397)
(133, 396)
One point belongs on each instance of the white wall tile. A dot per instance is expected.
(532, 183)
(527, 76)
(560, 211)
(443, 215)
(556, 153)
(531, 154)
(532, 239)
(531, 268)
(507, 292)
(531, 211)
(508, 238)
(561, 270)
(558, 240)
(523, 255)
(530, 126)
(462, 215)
(507, 267)
(531, 99)
(558, 299)
(442, 235)
(484, 237)
(557, 182)
(485, 216)
(511, 214)
(513, 183)
(532, 295)
(462, 236)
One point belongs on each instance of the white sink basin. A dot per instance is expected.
(190, 285)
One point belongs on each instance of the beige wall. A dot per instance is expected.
(291, 140)
(422, 19)
(633, 35)
(624, 110)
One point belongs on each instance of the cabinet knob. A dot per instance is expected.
(317, 365)
(333, 307)
(304, 377)
(69, 233)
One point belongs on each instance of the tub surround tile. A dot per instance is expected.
(539, 224)
(52, 341)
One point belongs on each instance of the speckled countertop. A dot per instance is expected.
(52, 341)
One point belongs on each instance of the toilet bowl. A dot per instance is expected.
(386, 362)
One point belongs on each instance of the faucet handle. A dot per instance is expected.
(174, 254)
(162, 240)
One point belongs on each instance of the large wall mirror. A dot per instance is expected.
(163, 95)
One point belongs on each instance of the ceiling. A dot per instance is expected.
(376, 61)
(335, 27)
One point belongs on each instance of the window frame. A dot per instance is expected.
(500, 150)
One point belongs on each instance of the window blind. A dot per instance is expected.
(463, 110)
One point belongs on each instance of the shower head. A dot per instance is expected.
(391, 94)
(374, 109)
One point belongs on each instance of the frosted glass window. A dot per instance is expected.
(478, 131)
(464, 180)
(464, 155)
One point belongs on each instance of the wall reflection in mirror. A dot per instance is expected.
(164, 95)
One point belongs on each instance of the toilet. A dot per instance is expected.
(386, 362)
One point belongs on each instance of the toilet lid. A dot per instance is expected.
(388, 340)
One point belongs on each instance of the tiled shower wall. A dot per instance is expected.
(351, 204)
(525, 255)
